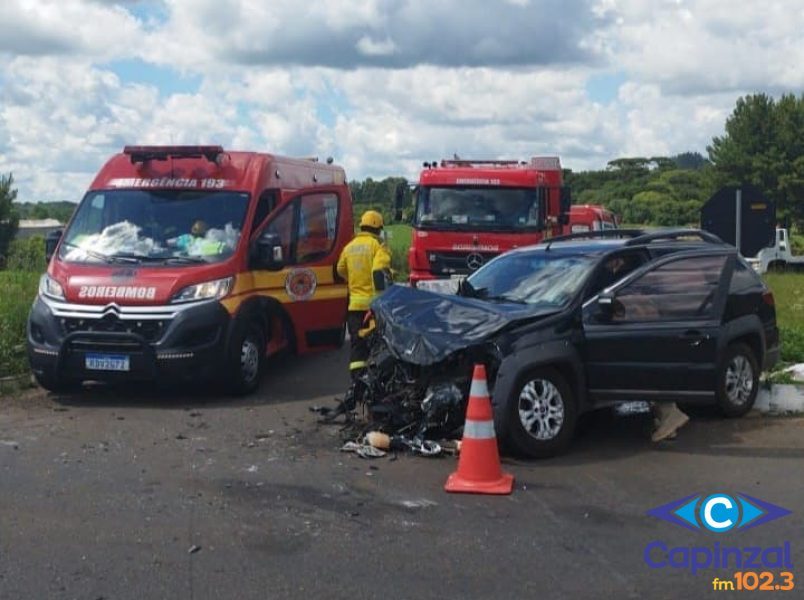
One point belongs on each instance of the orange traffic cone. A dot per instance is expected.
(479, 469)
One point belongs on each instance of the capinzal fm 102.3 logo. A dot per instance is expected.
(718, 513)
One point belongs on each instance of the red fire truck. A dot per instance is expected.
(188, 261)
(469, 211)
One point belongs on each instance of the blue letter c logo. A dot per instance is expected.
(719, 512)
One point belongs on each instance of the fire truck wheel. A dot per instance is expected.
(246, 358)
(57, 386)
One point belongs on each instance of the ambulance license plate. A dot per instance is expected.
(106, 362)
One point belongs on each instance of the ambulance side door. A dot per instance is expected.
(307, 226)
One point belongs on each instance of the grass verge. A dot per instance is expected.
(788, 292)
(17, 291)
(398, 242)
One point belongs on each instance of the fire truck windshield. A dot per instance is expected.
(478, 208)
(156, 226)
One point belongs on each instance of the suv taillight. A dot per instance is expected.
(767, 298)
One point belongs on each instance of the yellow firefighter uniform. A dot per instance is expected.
(361, 257)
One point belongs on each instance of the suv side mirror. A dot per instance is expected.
(606, 303)
(270, 255)
(51, 243)
(609, 306)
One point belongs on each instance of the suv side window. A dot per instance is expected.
(613, 269)
(681, 289)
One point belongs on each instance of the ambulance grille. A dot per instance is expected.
(151, 330)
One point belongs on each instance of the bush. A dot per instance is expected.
(398, 243)
(27, 255)
(792, 344)
(17, 291)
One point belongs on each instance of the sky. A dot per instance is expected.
(380, 85)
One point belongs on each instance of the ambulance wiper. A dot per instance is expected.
(131, 257)
(195, 260)
(107, 258)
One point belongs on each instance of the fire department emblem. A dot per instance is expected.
(300, 284)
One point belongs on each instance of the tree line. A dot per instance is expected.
(762, 145)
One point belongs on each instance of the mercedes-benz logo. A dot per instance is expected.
(474, 261)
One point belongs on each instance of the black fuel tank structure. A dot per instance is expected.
(757, 218)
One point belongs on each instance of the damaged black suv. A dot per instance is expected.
(582, 322)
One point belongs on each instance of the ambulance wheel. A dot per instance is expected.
(246, 358)
(342, 336)
(57, 386)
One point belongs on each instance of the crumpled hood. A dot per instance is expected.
(424, 328)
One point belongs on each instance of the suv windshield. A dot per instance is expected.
(170, 227)
(531, 278)
(482, 208)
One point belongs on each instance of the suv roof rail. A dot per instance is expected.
(601, 233)
(675, 235)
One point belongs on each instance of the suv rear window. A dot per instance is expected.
(744, 277)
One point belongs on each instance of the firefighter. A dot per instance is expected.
(364, 264)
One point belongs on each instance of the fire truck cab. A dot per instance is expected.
(468, 211)
(187, 261)
(590, 217)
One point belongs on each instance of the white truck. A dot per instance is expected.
(779, 256)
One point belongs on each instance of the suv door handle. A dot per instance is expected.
(694, 337)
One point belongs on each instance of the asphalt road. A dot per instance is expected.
(122, 494)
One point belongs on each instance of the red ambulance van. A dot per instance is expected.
(191, 261)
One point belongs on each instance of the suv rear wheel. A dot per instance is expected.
(538, 418)
(737, 381)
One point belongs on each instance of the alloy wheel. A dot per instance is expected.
(739, 380)
(541, 409)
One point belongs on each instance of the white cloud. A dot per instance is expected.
(370, 47)
(44, 27)
(381, 84)
(704, 46)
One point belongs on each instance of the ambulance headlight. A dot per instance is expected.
(50, 288)
(209, 290)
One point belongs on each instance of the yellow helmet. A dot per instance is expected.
(371, 218)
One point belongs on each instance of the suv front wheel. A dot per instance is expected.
(737, 381)
(538, 418)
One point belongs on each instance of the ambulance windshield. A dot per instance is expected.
(169, 227)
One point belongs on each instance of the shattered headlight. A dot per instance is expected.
(50, 288)
(209, 290)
